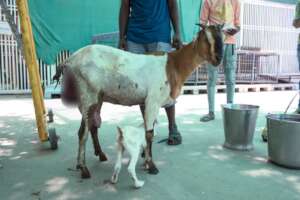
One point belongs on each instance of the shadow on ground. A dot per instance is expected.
(200, 168)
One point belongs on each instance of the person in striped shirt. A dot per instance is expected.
(227, 13)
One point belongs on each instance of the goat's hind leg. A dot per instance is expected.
(97, 146)
(82, 136)
(94, 124)
(118, 165)
(134, 154)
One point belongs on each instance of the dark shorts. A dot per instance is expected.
(145, 48)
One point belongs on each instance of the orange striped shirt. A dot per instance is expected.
(221, 12)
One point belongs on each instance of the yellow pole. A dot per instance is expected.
(37, 71)
(31, 62)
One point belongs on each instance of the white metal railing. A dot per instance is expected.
(268, 26)
(14, 77)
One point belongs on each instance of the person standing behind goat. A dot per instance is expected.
(144, 28)
(225, 12)
(296, 24)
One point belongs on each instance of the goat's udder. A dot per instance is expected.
(69, 93)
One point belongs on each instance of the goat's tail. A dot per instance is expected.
(69, 90)
(59, 72)
(120, 135)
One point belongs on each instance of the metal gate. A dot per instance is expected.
(266, 47)
(13, 71)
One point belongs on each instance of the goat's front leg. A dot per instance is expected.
(151, 112)
(82, 136)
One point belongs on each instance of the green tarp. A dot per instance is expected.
(70, 24)
(189, 11)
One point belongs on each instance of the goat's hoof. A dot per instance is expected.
(139, 184)
(153, 170)
(85, 173)
(114, 179)
(102, 157)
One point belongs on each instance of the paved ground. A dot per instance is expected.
(198, 169)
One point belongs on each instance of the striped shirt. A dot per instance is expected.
(221, 12)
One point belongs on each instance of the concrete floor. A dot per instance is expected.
(198, 169)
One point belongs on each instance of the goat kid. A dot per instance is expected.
(133, 140)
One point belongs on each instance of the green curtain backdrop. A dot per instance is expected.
(189, 11)
(70, 24)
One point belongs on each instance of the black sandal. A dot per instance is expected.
(206, 118)
(174, 137)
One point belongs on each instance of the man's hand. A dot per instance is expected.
(231, 31)
(176, 42)
(122, 44)
(123, 22)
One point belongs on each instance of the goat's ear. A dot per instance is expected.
(119, 130)
(202, 26)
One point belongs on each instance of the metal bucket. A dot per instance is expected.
(284, 139)
(239, 125)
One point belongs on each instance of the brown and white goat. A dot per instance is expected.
(97, 74)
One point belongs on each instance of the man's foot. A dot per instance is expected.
(208, 117)
(174, 137)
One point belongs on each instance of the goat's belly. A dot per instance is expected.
(130, 95)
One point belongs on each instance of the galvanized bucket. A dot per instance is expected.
(284, 139)
(239, 125)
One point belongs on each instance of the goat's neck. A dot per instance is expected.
(181, 64)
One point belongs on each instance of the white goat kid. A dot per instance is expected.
(97, 74)
(133, 140)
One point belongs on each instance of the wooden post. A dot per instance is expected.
(31, 62)
(37, 66)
